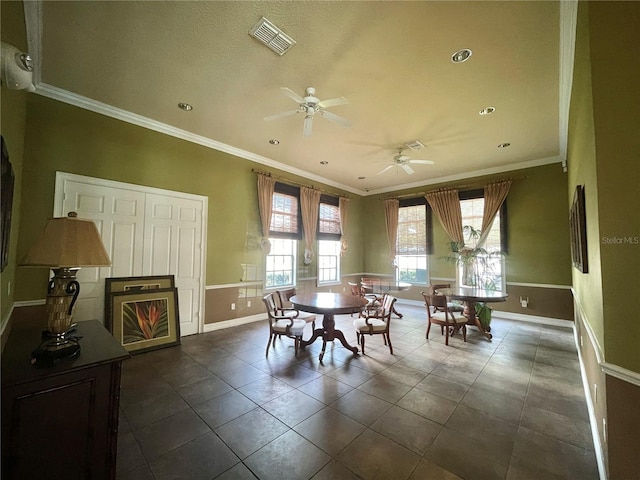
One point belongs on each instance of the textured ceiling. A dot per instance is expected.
(391, 60)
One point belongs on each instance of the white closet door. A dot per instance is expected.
(146, 231)
(119, 216)
(172, 239)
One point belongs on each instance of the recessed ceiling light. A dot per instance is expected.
(185, 106)
(487, 111)
(324, 162)
(504, 145)
(461, 55)
(361, 178)
(274, 141)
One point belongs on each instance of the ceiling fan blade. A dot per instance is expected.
(422, 162)
(333, 102)
(385, 169)
(407, 169)
(306, 128)
(281, 115)
(291, 94)
(335, 118)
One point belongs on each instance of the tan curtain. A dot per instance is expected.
(310, 205)
(391, 209)
(494, 195)
(266, 185)
(343, 202)
(446, 205)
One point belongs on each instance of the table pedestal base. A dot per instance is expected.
(474, 321)
(328, 334)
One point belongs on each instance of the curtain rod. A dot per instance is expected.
(457, 187)
(297, 184)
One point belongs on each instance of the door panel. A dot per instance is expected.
(172, 234)
(119, 216)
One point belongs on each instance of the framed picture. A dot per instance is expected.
(578, 225)
(145, 320)
(132, 284)
(6, 205)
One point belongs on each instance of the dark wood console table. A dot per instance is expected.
(60, 422)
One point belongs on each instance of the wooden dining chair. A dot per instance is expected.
(282, 321)
(443, 316)
(284, 303)
(358, 291)
(453, 306)
(376, 321)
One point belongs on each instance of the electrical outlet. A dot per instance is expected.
(248, 303)
(233, 306)
(344, 289)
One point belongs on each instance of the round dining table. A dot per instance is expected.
(470, 296)
(328, 304)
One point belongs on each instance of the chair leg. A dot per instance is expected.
(446, 338)
(269, 344)
(296, 345)
(362, 343)
(428, 328)
(464, 332)
(389, 340)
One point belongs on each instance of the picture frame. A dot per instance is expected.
(145, 320)
(578, 231)
(7, 180)
(131, 284)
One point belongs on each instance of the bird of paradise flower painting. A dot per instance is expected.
(144, 320)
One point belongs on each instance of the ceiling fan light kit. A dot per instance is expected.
(310, 105)
(403, 162)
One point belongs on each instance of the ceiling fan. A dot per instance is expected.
(311, 105)
(403, 161)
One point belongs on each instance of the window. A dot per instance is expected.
(328, 241)
(411, 245)
(284, 234)
(328, 261)
(281, 263)
(488, 270)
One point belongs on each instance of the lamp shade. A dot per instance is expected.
(68, 242)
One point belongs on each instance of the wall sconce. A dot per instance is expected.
(65, 245)
(16, 68)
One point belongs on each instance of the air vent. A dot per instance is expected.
(274, 38)
(415, 145)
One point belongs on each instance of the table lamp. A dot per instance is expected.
(65, 245)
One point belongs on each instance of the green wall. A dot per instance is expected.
(606, 107)
(61, 137)
(12, 127)
(537, 228)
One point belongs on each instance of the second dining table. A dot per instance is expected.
(471, 296)
(328, 304)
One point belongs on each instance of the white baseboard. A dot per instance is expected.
(556, 322)
(211, 327)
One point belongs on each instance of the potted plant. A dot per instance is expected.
(474, 268)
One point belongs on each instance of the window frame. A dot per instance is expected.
(479, 193)
(414, 202)
(328, 237)
(284, 189)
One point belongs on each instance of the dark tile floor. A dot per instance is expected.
(217, 407)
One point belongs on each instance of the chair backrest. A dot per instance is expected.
(438, 302)
(270, 302)
(383, 310)
(370, 285)
(435, 286)
(284, 296)
(355, 289)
